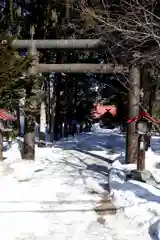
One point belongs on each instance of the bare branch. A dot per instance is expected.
(135, 24)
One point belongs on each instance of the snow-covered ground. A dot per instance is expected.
(51, 198)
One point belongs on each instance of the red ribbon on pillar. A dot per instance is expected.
(143, 114)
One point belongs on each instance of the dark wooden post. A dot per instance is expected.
(1, 145)
(141, 153)
(29, 126)
(1, 140)
(133, 111)
(148, 87)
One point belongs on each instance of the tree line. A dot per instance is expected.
(130, 31)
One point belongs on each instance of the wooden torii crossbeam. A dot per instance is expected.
(59, 43)
(80, 44)
(80, 68)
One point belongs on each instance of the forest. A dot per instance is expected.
(129, 41)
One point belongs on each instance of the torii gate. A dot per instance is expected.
(80, 44)
(61, 44)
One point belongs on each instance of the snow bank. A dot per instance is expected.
(44, 195)
(97, 129)
(140, 201)
(154, 229)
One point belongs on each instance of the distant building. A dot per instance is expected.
(100, 110)
(105, 114)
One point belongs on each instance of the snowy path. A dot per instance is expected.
(45, 199)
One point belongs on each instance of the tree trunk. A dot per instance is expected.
(53, 110)
(47, 96)
(48, 103)
(75, 96)
(42, 124)
(58, 79)
(70, 102)
(2, 130)
(18, 120)
(147, 100)
(29, 139)
(29, 127)
(133, 111)
(66, 120)
(55, 104)
(1, 145)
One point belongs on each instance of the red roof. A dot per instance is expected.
(100, 110)
(6, 116)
